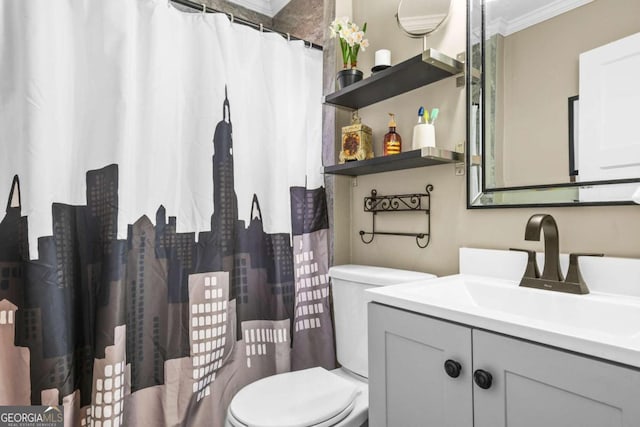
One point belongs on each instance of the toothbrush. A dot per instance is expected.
(434, 115)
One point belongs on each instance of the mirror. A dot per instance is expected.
(549, 118)
(418, 18)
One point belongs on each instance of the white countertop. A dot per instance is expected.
(599, 324)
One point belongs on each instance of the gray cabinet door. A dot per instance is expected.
(534, 385)
(408, 386)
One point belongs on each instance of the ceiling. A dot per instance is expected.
(265, 7)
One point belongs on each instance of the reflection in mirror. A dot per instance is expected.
(419, 18)
(551, 110)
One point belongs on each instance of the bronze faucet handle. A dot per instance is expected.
(573, 274)
(532, 270)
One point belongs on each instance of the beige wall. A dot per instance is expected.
(612, 230)
(540, 73)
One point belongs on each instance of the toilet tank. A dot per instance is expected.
(348, 283)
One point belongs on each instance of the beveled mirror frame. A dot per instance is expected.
(478, 195)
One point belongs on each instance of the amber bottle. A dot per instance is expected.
(392, 142)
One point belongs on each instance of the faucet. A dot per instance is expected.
(544, 222)
(551, 277)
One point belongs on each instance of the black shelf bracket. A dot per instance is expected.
(416, 202)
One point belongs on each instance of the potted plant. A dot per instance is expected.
(351, 42)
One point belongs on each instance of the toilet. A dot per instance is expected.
(340, 397)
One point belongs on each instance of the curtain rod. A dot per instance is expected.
(234, 19)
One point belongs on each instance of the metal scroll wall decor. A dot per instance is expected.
(416, 202)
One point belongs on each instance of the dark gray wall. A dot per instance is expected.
(239, 11)
(303, 19)
(300, 18)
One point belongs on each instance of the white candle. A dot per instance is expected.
(383, 57)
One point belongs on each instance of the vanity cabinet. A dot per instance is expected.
(528, 384)
(408, 386)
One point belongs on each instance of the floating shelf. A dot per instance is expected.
(413, 73)
(426, 156)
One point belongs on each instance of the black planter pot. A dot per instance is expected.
(348, 77)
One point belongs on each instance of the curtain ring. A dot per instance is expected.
(288, 37)
(261, 28)
(204, 8)
(231, 17)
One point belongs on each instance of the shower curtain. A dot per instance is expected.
(165, 235)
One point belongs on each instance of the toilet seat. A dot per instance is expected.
(327, 423)
(311, 397)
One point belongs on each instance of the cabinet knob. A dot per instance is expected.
(482, 378)
(452, 368)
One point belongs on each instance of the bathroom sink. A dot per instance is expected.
(598, 324)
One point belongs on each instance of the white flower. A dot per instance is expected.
(335, 27)
(351, 38)
(345, 33)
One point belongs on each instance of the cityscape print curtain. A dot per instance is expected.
(164, 241)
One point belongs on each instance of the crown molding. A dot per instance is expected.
(278, 5)
(553, 9)
(266, 7)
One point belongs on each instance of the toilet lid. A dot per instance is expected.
(294, 399)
